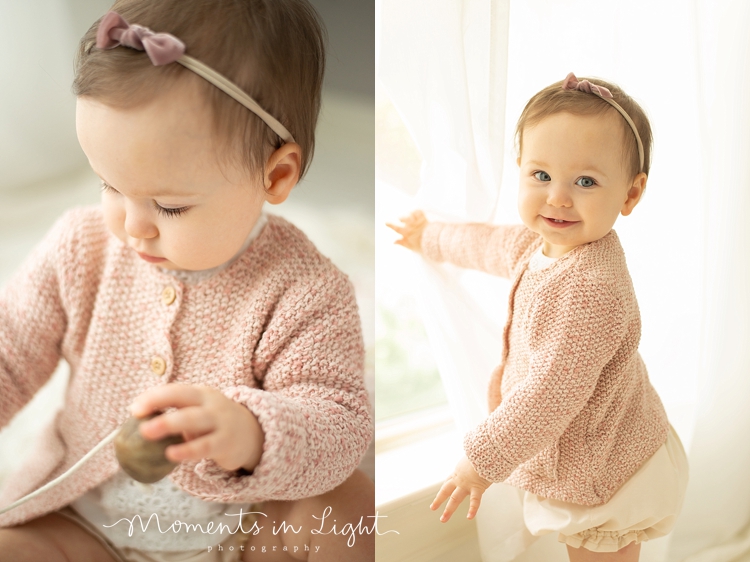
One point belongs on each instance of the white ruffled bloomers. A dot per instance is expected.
(603, 541)
(644, 508)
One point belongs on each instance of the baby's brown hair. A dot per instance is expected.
(553, 99)
(273, 49)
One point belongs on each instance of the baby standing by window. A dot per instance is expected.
(574, 422)
(178, 293)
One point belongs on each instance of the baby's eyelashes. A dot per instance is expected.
(108, 188)
(169, 212)
(164, 211)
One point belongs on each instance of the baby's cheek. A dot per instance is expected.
(114, 216)
(183, 248)
(525, 207)
(195, 246)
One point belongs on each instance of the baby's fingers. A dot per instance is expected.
(474, 501)
(400, 229)
(454, 495)
(191, 421)
(414, 217)
(445, 491)
(193, 450)
(454, 501)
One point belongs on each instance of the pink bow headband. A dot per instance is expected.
(164, 48)
(572, 83)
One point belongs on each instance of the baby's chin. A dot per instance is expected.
(172, 266)
(181, 265)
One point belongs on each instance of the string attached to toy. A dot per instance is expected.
(142, 459)
(103, 443)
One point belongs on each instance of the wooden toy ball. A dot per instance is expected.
(141, 458)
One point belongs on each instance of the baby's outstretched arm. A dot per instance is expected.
(411, 230)
(492, 248)
(463, 482)
(213, 426)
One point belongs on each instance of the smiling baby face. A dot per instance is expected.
(573, 184)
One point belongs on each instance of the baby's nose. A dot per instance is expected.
(558, 195)
(139, 225)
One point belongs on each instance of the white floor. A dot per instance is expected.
(333, 205)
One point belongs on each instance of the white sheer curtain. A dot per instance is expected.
(458, 129)
(715, 525)
(686, 243)
(444, 66)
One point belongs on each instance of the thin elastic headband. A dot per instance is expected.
(572, 83)
(164, 48)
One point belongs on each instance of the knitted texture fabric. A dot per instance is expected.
(578, 414)
(277, 331)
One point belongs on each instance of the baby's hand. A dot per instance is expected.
(213, 426)
(463, 482)
(411, 231)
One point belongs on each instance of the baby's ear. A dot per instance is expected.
(634, 194)
(282, 172)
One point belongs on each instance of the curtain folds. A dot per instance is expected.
(444, 66)
(715, 523)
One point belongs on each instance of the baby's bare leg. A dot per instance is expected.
(352, 500)
(52, 538)
(629, 553)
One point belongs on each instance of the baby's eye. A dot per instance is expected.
(586, 181)
(169, 212)
(542, 176)
(106, 188)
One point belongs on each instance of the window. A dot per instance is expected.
(407, 378)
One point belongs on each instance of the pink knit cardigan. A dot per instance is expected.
(578, 414)
(277, 331)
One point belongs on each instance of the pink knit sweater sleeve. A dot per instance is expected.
(313, 407)
(32, 322)
(573, 335)
(492, 248)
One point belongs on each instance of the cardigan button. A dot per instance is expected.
(168, 295)
(158, 365)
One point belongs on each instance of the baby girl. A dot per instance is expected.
(179, 295)
(574, 422)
